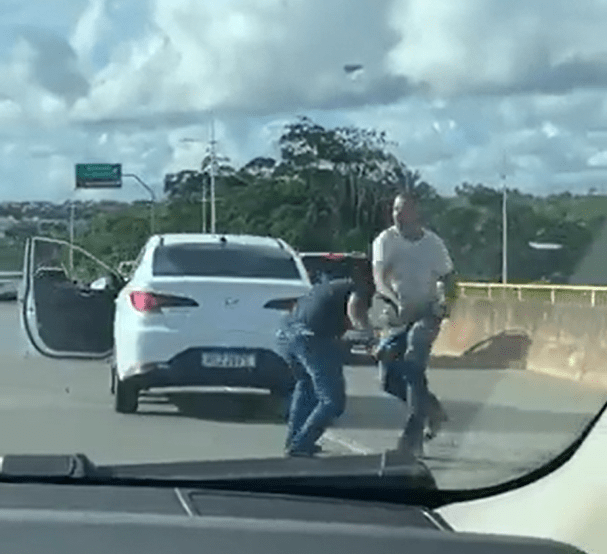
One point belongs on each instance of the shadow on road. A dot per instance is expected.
(237, 407)
(371, 412)
(363, 412)
(507, 350)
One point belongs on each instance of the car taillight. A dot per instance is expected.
(144, 301)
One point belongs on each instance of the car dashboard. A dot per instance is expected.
(95, 519)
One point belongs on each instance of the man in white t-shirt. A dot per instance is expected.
(411, 269)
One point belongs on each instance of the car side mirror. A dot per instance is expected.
(103, 283)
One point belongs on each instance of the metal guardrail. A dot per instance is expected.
(11, 274)
(535, 291)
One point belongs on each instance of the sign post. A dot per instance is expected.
(93, 176)
(153, 196)
(103, 176)
(98, 176)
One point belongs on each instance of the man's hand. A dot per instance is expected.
(407, 312)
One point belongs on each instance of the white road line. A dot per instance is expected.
(351, 445)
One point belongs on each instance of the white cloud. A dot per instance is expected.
(247, 55)
(89, 29)
(10, 111)
(490, 45)
(116, 81)
(599, 159)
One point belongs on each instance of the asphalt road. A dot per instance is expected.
(502, 422)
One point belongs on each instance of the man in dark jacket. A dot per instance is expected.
(310, 340)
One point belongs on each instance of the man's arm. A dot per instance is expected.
(381, 277)
(358, 311)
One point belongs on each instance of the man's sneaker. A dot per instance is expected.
(404, 445)
(316, 449)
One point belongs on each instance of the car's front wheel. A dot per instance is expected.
(126, 398)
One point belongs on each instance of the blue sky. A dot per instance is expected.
(465, 88)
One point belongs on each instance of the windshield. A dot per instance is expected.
(211, 160)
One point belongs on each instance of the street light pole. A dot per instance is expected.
(213, 213)
(153, 204)
(504, 228)
(72, 209)
(204, 206)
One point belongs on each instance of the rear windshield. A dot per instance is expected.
(339, 267)
(332, 268)
(229, 260)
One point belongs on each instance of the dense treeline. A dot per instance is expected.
(331, 189)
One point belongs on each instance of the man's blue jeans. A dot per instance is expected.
(404, 375)
(319, 396)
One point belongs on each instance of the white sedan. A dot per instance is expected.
(198, 310)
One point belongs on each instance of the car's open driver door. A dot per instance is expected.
(67, 300)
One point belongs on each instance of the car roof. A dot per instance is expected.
(207, 238)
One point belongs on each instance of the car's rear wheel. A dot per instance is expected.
(126, 398)
(113, 378)
(113, 372)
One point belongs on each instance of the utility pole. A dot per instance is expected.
(72, 210)
(504, 226)
(213, 156)
(204, 206)
(153, 200)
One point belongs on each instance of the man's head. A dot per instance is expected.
(405, 212)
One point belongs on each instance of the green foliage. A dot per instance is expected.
(332, 189)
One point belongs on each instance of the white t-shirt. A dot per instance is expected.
(413, 266)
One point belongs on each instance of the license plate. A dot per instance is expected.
(227, 360)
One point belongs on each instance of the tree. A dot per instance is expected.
(350, 167)
(332, 189)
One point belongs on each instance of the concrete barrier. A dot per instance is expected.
(562, 340)
(8, 289)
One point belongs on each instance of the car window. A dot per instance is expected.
(333, 268)
(202, 260)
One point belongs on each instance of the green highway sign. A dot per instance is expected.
(95, 176)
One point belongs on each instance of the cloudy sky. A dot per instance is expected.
(467, 89)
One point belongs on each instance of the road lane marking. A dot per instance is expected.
(351, 445)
